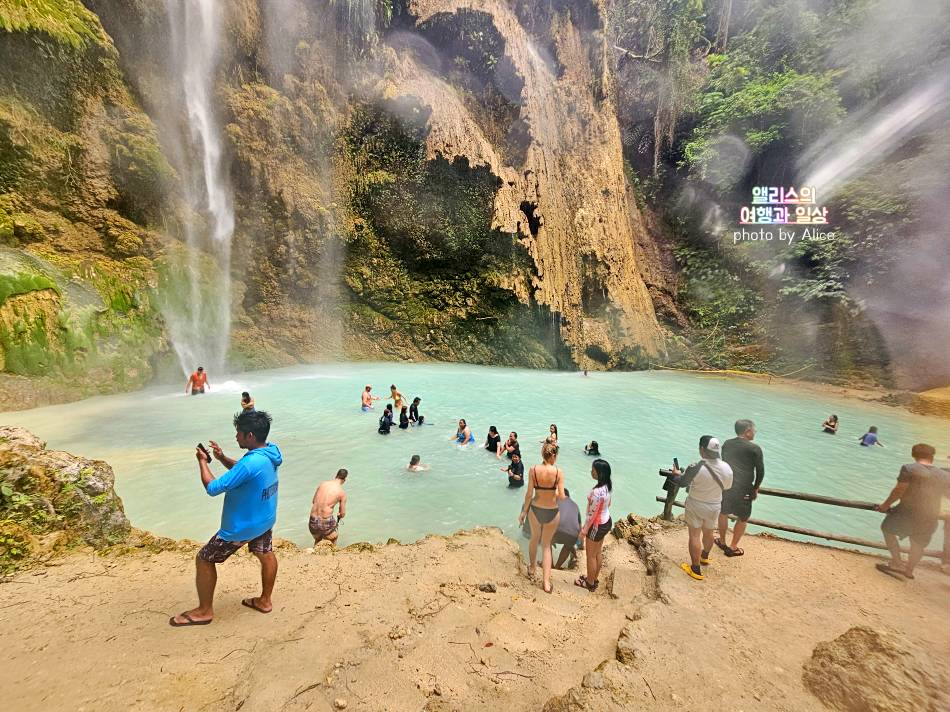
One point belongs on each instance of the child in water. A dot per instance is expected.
(415, 465)
(386, 421)
(870, 438)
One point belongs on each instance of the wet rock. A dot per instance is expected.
(865, 670)
(487, 587)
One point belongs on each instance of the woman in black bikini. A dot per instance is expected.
(545, 488)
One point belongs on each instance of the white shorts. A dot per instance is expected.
(702, 515)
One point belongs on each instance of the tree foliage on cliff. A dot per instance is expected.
(757, 83)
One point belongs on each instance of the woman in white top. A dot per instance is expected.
(598, 523)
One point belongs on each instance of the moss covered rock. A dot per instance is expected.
(50, 500)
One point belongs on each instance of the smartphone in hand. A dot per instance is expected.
(205, 451)
(676, 463)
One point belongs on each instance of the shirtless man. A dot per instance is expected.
(367, 398)
(323, 525)
(197, 382)
(397, 398)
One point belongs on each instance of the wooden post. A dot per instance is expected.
(670, 499)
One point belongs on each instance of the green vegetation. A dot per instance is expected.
(727, 96)
(22, 283)
(66, 21)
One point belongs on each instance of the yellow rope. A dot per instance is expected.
(733, 371)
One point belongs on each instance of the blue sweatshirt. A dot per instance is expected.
(250, 500)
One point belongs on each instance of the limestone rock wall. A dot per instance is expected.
(568, 202)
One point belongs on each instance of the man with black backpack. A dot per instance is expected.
(705, 482)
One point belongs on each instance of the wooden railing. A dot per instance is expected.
(669, 501)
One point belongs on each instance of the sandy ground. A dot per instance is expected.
(406, 628)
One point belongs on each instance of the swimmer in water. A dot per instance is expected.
(367, 398)
(247, 403)
(869, 439)
(552, 437)
(404, 418)
(830, 426)
(464, 435)
(493, 441)
(415, 465)
(511, 446)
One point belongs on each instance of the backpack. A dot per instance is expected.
(687, 481)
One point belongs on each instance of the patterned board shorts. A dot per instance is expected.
(219, 550)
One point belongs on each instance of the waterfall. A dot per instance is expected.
(197, 308)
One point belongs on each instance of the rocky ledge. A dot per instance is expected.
(52, 500)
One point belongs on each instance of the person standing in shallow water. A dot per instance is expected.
(869, 439)
(414, 417)
(197, 382)
(830, 426)
(250, 510)
(404, 418)
(367, 398)
(545, 489)
(463, 435)
(493, 441)
(397, 398)
(247, 403)
(385, 420)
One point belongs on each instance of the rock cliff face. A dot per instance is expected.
(563, 194)
(432, 179)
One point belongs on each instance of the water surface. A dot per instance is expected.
(641, 420)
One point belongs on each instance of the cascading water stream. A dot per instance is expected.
(199, 323)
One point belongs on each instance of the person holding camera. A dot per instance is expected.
(705, 481)
(250, 510)
(748, 470)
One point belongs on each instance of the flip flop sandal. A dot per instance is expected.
(581, 582)
(249, 602)
(738, 551)
(191, 621)
(705, 560)
(891, 571)
(692, 574)
(718, 542)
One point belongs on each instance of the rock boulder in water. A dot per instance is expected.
(865, 670)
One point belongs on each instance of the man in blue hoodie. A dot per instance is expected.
(249, 513)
